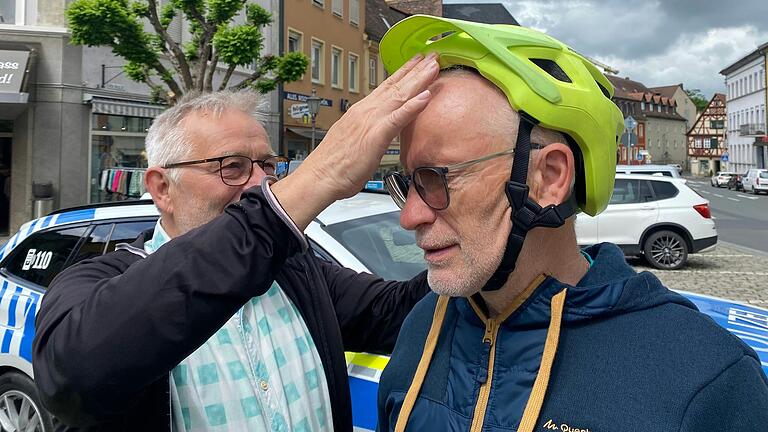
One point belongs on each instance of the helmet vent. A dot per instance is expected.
(552, 68)
(603, 89)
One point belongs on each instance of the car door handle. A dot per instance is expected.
(647, 208)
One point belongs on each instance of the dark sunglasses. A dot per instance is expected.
(431, 183)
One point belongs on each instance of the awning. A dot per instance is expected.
(101, 105)
(307, 132)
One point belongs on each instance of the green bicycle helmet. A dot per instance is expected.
(548, 84)
(540, 76)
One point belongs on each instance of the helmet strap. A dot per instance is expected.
(526, 213)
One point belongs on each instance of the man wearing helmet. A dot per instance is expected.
(523, 330)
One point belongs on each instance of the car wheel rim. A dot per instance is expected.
(18, 413)
(667, 251)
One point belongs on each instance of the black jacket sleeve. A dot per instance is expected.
(110, 327)
(370, 310)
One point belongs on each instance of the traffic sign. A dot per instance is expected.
(724, 157)
(299, 110)
(630, 123)
(639, 157)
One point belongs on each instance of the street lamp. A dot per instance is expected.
(313, 103)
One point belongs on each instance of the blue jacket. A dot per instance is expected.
(631, 356)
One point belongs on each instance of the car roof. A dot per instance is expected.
(644, 167)
(359, 206)
(650, 177)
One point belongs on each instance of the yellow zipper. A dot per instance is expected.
(489, 340)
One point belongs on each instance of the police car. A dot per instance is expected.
(362, 233)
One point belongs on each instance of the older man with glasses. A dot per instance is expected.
(222, 319)
(524, 331)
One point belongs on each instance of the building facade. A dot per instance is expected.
(683, 103)
(660, 132)
(706, 139)
(331, 34)
(69, 118)
(745, 82)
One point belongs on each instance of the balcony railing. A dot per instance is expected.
(752, 129)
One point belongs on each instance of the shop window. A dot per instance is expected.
(117, 146)
(7, 11)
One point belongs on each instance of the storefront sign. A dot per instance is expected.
(303, 98)
(13, 66)
(299, 110)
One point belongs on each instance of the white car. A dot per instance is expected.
(657, 217)
(721, 178)
(649, 169)
(756, 180)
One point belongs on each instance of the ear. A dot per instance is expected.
(158, 185)
(553, 174)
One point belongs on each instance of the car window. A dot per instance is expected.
(127, 232)
(43, 255)
(645, 194)
(764, 174)
(94, 244)
(664, 190)
(625, 192)
(381, 244)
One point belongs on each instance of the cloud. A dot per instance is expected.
(655, 42)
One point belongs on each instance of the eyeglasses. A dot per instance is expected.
(431, 183)
(237, 170)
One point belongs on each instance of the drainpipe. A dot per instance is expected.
(281, 49)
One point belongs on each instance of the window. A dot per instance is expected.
(372, 67)
(717, 124)
(354, 12)
(7, 11)
(43, 255)
(624, 192)
(319, 3)
(353, 72)
(337, 7)
(664, 190)
(317, 61)
(336, 76)
(94, 244)
(713, 143)
(642, 106)
(127, 232)
(295, 41)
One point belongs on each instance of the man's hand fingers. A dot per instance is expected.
(404, 69)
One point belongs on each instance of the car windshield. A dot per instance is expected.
(382, 245)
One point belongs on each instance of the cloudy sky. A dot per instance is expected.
(654, 42)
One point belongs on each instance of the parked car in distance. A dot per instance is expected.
(678, 167)
(657, 217)
(756, 180)
(659, 170)
(721, 178)
(735, 182)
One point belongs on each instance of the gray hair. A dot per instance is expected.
(167, 141)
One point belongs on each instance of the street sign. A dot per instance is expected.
(299, 110)
(375, 185)
(724, 157)
(630, 123)
(639, 157)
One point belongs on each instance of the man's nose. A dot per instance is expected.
(257, 175)
(416, 212)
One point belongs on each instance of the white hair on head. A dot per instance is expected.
(166, 141)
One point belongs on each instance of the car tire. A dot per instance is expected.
(754, 191)
(19, 395)
(666, 250)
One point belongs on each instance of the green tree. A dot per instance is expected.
(170, 68)
(698, 99)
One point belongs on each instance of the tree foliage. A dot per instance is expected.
(138, 31)
(698, 99)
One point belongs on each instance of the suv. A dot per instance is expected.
(658, 170)
(721, 178)
(756, 180)
(657, 217)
